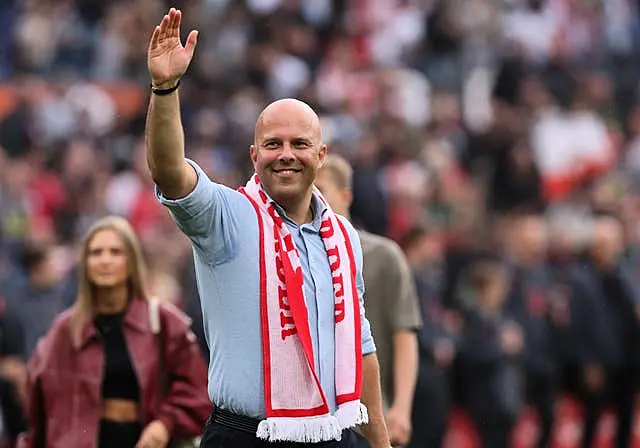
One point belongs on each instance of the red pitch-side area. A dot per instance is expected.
(461, 433)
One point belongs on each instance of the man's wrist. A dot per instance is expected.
(402, 406)
(166, 91)
(164, 85)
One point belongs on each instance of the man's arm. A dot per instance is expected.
(204, 211)
(167, 61)
(404, 318)
(405, 373)
(376, 430)
(174, 177)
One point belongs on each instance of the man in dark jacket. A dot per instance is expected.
(607, 329)
(530, 302)
(492, 348)
(438, 340)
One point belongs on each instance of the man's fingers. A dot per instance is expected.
(155, 37)
(192, 40)
(406, 435)
(169, 27)
(164, 28)
(176, 18)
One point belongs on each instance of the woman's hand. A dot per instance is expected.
(155, 435)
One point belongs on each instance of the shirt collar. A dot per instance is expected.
(318, 208)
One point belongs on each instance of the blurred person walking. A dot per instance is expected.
(531, 300)
(114, 370)
(13, 378)
(391, 306)
(292, 359)
(38, 295)
(438, 339)
(607, 331)
(491, 353)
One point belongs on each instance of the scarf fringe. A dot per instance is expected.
(352, 413)
(302, 430)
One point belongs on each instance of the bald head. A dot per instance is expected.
(287, 152)
(289, 110)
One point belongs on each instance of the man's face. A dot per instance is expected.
(339, 198)
(288, 152)
(530, 238)
(608, 243)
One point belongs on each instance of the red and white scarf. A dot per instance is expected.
(296, 406)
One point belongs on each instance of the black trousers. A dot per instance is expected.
(217, 435)
(541, 393)
(431, 405)
(620, 394)
(495, 434)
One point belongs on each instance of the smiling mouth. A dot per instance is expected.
(287, 171)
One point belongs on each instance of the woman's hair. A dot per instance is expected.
(137, 281)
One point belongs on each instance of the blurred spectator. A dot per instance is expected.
(438, 339)
(491, 354)
(608, 328)
(530, 301)
(391, 305)
(13, 374)
(38, 296)
(153, 382)
(13, 380)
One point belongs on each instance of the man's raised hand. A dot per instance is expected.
(167, 58)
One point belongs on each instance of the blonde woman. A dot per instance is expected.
(101, 377)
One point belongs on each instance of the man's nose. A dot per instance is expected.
(287, 152)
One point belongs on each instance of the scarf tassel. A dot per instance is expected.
(301, 429)
(314, 429)
(352, 413)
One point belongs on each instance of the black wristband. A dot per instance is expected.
(165, 91)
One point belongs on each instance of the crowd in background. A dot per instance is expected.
(498, 142)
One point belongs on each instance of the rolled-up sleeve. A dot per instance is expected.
(192, 212)
(206, 216)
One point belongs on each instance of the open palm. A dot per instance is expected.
(167, 58)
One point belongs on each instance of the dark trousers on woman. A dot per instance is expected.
(119, 435)
(233, 432)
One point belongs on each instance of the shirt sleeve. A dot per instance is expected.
(368, 345)
(207, 216)
(403, 298)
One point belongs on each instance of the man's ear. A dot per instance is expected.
(253, 153)
(347, 197)
(322, 155)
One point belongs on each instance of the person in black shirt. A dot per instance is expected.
(119, 369)
(13, 377)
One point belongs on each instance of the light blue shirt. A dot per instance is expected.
(223, 228)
